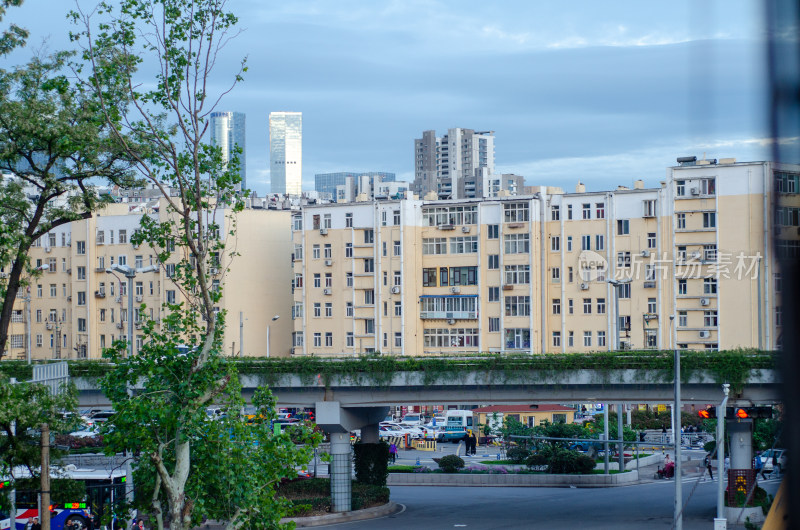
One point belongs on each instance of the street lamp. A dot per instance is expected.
(276, 317)
(676, 426)
(44, 267)
(617, 285)
(130, 273)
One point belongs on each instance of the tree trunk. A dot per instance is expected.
(12, 288)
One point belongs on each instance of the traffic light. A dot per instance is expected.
(708, 414)
(4, 484)
(744, 413)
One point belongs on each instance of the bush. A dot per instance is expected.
(366, 495)
(565, 461)
(371, 463)
(451, 463)
(536, 460)
(518, 454)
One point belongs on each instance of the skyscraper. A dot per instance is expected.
(286, 152)
(456, 165)
(227, 131)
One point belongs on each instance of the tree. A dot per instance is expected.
(181, 367)
(54, 139)
(26, 406)
(14, 36)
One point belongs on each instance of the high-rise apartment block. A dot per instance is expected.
(689, 264)
(228, 132)
(454, 166)
(77, 308)
(286, 152)
(327, 182)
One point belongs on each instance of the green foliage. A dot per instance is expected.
(518, 455)
(541, 458)
(564, 461)
(371, 463)
(767, 433)
(451, 463)
(14, 36)
(312, 496)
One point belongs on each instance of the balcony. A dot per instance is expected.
(448, 315)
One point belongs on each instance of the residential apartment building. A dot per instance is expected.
(689, 263)
(77, 308)
(228, 133)
(454, 166)
(286, 152)
(327, 182)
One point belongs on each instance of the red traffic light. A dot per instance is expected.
(5, 484)
(741, 414)
(708, 413)
(704, 414)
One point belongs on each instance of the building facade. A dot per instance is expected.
(76, 308)
(679, 265)
(327, 182)
(227, 133)
(286, 152)
(454, 166)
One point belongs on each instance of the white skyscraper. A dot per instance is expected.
(286, 152)
(227, 131)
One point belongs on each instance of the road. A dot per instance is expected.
(640, 506)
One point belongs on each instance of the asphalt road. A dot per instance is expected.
(641, 506)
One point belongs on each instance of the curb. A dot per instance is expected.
(345, 517)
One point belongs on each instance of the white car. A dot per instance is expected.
(413, 419)
(766, 459)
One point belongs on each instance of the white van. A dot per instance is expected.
(459, 418)
(412, 419)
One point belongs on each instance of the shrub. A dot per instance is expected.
(371, 463)
(537, 459)
(518, 454)
(365, 495)
(565, 461)
(451, 463)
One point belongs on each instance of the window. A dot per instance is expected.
(709, 252)
(556, 306)
(600, 210)
(555, 243)
(494, 294)
(623, 227)
(327, 251)
(398, 278)
(709, 220)
(517, 243)
(298, 280)
(555, 274)
(587, 306)
(318, 339)
(317, 279)
(624, 260)
(326, 220)
(329, 339)
(396, 217)
(123, 260)
(778, 315)
(81, 273)
(383, 244)
(369, 265)
(518, 306)
(555, 213)
(139, 287)
(569, 212)
(328, 279)
(651, 240)
(348, 220)
(348, 339)
(328, 309)
(80, 247)
(369, 297)
(570, 308)
(586, 242)
(450, 338)
(493, 231)
(348, 250)
(778, 279)
(681, 220)
(315, 222)
(369, 326)
(398, 339)
(649, 208)
(458, 276)
(434, 245)
(570, 339)
(708, 187)
(39, 340)
(601, 338)
(297, 310)
(123, 237)
(710, 285)
(398, 309)
(650, 273)
(587, 339)
(396, 248)
(680, 188)
(517, 274)
(624, 290)
(297, 338)
(682, 286)
(464, 245)
(587, 211)
(39, 290)
(317, 309)
(315, 251)
(683, 319)
(348, 279)
(82, 325)
(569, 243)
(494, 261)
(556, 339)
(494, 324)
(601, 306)
(369, 236)
(652, 306)
(348, 309)
(516, 212)
(599, 242)
(449, 215)
(429, 277)
(53, 290)
(518, 338)
(710, 319)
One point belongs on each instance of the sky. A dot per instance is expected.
(601, 93)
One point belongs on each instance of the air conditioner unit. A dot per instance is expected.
(451, 321)
(100, 294)
(515, 225)
(323, 231)
(328, 262)
(508, 287)
(696, 254)
(396, 289)
(447, 227)
(47, 249)
(135, 246)
(649, 285)
(584, 286)
(645, 253)
(118, 299)
(213, 271)
(625, 345)
(704, 301)
(100, 243)
(455, 290)
(705, 334)
(326, 291)
(695, 191)
(139, 298)
(138, 325)
(465, 229)
(49, 325)
(68, 271)
(119, 325)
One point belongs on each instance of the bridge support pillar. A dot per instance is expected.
(369, 434)
(341, 472)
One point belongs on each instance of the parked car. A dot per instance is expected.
(413, 419)
(766, 459)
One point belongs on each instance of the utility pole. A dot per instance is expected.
(605, 437)
(676, 429)
(620, 446)
(720, 521)
(44, 513)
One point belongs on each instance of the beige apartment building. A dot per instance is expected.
(688, 264)
(77, 308)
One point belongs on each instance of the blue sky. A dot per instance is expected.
(604, 93)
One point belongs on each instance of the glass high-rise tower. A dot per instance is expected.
(227, 131)
(286, 152)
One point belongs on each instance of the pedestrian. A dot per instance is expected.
(36, 525)
(758, 465)
(140, 526)
(775, 467)
(393, 452)
(663, 429)
(473, 441)
(707, 465)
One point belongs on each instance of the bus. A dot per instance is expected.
(103, 488)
